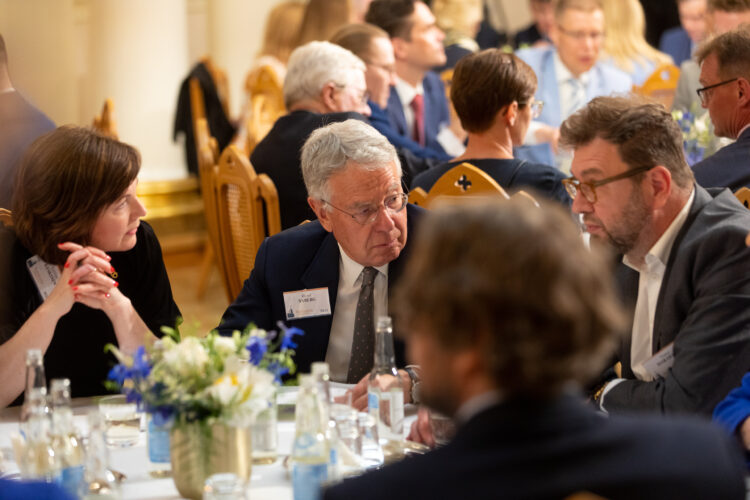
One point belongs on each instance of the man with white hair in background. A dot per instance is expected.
(324, 83)
(329, 275)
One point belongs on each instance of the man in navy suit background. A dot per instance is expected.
(353, 179)
(508, 313)
(418, 47)
(680, 42)
(725, 76)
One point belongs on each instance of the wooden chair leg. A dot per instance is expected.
(209, 259)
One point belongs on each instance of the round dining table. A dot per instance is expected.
(268, 482)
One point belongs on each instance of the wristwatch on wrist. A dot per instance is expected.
(412, 370)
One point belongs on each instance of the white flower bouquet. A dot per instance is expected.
(209, 379)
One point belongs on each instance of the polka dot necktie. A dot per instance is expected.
(363, 343)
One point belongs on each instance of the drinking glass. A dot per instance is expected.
(371, 452)
(122, 421)
(224, 486)
(265, 434)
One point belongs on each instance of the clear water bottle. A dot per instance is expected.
(321, 373)
(385, 396)
(65, 439)
(34, 379)
(39, 459)
(157, 443)
(310, 453)
(100, 482)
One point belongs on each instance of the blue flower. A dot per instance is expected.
(277, 370)
(287, 341)
(257, 348)
(119, 373)
(141, 364)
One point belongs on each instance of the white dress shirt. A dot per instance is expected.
(651, 276)
(342, 326)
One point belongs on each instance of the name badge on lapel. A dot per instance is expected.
(45, 275)
(307, 303)
(658, 365)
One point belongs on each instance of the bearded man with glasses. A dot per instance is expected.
(684, 270)
(314, 276)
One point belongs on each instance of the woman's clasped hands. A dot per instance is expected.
(85, 278)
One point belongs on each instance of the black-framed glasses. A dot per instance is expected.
(536, 107)
(588, 189)
(367, 215)
(703, 95)
(579, 36)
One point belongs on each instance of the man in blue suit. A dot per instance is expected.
(312, 276)
(501, 353)
(417, 107)
(726, 94)
(569, 76)
(680, 42)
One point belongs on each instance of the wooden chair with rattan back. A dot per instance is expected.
(6, 218)
(661, 85)
(208, 158)
(248, 211)
(465, 180)
(197, 105)
(265, 91)
(221, 81)
(743, 195)
(418, 196)
(104, 122)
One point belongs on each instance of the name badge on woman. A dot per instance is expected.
(45, 275)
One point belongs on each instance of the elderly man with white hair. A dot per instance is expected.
(331, 277)
(324, 83)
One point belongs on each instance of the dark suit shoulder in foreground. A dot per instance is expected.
(537, 451)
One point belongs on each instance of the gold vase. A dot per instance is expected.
(199, 450)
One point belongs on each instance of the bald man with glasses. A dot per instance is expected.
(684, 270)
(331, 277)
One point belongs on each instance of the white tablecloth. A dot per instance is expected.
(267, 482)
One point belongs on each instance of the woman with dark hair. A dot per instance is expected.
(78, 269)
(493, 94)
